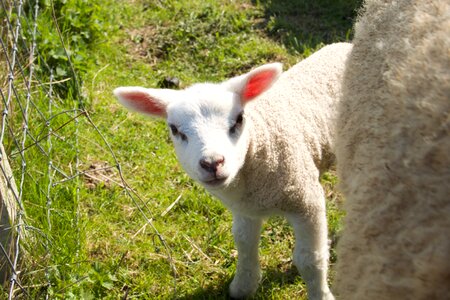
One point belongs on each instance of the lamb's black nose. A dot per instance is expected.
(212, 163)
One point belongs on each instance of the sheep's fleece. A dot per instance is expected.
(284, 142)
(393, 154)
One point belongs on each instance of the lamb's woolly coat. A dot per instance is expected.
(290, 131)
(273, 165)
(393, 154)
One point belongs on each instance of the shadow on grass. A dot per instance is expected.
(272, 278)
(218, 291)
(305, 25)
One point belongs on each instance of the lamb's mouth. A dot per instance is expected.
(215, 181)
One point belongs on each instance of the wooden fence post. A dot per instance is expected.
(8, 211)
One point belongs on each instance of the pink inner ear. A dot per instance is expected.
(144, 103)
(257, 84)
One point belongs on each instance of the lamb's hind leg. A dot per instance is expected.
(311, 249)
(246, 232)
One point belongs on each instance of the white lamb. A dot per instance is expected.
(393, 154)
(260, 157)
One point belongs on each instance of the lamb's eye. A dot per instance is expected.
(237, 124)
(174, 129)
(177, 133)
(239, 119)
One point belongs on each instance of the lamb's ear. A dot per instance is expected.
(151, 102)
(251, 85)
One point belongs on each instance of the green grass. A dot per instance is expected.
(101, 245)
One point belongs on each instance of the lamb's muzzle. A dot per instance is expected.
(211, 164)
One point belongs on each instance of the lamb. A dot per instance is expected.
(260, 149)
(393, 154)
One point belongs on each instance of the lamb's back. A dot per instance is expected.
(291, 129)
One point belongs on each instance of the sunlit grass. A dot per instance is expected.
(115, 253)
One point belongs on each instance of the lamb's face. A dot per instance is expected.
(207, 121)
(207, 126)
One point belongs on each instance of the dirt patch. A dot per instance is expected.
(142, 44)
(101, 174)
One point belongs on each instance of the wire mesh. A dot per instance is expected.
(35, 121)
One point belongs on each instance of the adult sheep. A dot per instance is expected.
(261, 151)
(393, 154)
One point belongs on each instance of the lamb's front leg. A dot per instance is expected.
(311, 251)
(246, 232)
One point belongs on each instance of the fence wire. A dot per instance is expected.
(34, 121)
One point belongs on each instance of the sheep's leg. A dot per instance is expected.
(311, 251)
(246, 232)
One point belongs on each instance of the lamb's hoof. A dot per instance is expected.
(239, 289)
(241, 292)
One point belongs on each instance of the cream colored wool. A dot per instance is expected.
(393, 154)
(293, 135)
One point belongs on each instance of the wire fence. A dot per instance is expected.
(36, 123)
